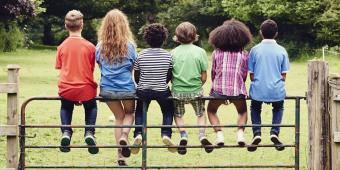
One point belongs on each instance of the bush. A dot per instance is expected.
(11, 37)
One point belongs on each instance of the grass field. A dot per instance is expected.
(39, 78)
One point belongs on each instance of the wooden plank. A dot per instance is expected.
(318, 118)
(8, 88)
(334, 109)
(12, 117)
(337, 137)
(8, 130)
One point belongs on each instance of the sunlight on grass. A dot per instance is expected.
(39, 78)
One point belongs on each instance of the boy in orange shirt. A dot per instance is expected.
(76, 61)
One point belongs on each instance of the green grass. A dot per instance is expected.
(39, 78)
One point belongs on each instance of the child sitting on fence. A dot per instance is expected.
(115, 55)
(189, 74)
(268, 65)
(229, 73)
(76, 61)
(153, 71)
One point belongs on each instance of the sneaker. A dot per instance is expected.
(254, 143)
(65, 142)
(91, 141)
(206, 144)
(136, 142)
(240, 138)
(278, 144)
(219, 138)
(126, 152)
(168, 142)
(182, 143)
(121, 162)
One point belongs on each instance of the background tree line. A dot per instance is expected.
(303, 24)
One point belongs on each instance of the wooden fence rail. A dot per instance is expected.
(334, 112)
(11, 129)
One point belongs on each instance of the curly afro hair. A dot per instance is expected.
(155, 34)
(232, 36)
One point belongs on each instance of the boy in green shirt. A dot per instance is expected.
(189, 74)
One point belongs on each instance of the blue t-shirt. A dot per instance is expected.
(268, 60)
(117, 77)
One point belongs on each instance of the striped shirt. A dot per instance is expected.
(229, 72)
(153, 65)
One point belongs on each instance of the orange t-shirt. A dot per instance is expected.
(76, 61)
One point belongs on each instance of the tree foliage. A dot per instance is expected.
(315, 22)
(302, 24)
(14, 15)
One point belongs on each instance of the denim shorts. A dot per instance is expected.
(117, 95)
(186, 98)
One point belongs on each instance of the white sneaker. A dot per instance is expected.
(240, 138)
(168, 142)
(136, 142)
(219, 138)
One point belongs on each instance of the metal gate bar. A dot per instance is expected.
(144, 146)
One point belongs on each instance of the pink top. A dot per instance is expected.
(229, 72)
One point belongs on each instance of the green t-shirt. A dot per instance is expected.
(188, 62)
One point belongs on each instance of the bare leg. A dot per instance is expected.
(118, 112)
(212, 110)
(179, 122)
(241, 107)
(129, 117)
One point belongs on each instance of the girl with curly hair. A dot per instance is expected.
(229, 73)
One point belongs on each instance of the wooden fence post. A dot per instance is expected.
(334, 109)
(318, 117)
(11, 129)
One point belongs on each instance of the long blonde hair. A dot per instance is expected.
(114, 35)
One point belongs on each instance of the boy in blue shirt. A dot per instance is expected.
(268, 64)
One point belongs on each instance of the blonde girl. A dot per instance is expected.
(115, 55)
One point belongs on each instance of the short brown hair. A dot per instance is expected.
(155, 34)
(186, 33)
(74, 20)
(269, 29)
(232, 36)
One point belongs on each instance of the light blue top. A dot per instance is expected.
(117, 77)
(268, 60)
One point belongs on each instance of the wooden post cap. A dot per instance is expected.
(13, 67)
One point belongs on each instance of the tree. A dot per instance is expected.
(302, 24)
(204, 14)
(13, 16)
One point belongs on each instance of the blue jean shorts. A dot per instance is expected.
(117, 95)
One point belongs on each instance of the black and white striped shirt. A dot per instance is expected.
(153, 65)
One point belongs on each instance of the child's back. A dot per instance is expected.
(268, 60)
(153, 64)
(75, 59)
(189, 61)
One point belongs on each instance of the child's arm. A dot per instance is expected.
(284, 76)
(251, 65)
(244, 66)
(251, 75)
(203, 76)
(136, 76)
(213, 67)
(169, 75)
(58, 62)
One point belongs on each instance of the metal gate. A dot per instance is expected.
(23, 126)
